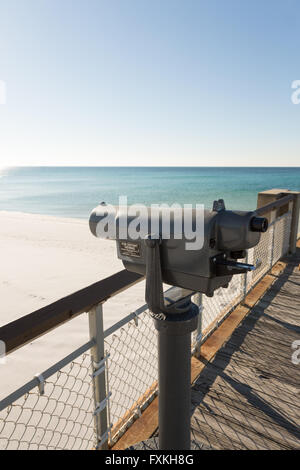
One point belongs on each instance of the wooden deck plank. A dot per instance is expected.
(246, 398)
(278, 268)
(244, 391)
(258, 291)
(141, 429)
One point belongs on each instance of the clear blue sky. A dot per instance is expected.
(156, 82)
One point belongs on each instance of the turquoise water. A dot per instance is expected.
(73, 192)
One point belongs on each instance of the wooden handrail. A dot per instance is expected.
(35, 324)
(275, 205)
(20, 332)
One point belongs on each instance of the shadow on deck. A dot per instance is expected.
(247, 397)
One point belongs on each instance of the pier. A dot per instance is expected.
(245, 366)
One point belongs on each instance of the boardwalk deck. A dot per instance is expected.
(248, 396)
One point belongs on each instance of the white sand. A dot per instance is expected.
(43, 259)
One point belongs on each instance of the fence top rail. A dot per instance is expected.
(29, 327)
(275, 205)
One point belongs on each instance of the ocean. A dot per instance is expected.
(75, 191)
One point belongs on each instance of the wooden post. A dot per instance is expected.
(265, 197)
(295, 223)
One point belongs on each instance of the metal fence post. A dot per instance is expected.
(273, 222)
(250, 274)
(198, 300)
(99, 377)
(245, 288)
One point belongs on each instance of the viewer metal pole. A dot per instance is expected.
(174, 378)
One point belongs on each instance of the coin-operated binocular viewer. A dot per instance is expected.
(156, 244)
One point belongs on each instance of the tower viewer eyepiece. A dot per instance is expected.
(259, 224)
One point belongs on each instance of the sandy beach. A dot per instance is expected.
(45, 258)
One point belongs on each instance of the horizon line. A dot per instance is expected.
(149, 166)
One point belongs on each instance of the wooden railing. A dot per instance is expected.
(283, 201)
(29, 327)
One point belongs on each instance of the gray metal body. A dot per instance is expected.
(224, 232)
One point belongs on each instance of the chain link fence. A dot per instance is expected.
(53, 411)
(272, 246)
(132, 371)
(57, 409)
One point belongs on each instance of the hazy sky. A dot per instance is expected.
(156, 82)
